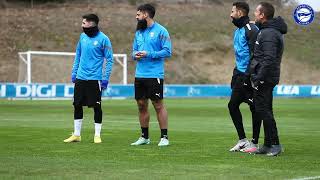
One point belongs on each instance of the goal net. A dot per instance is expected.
(56, 67)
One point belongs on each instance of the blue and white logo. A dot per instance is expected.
(303, 14)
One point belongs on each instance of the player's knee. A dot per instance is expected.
(232, 105)
(78, 112)
(252, 108)
(97, 108)
(142, 105)
(158, 105)
(262, 113)
(97, 114)
(77, 107)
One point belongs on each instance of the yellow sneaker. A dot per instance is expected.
(72, 138)
(97, 139)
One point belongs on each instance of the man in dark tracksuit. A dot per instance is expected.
(265, 73)
(244, 39)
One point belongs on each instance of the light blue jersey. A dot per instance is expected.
(90, 55)
(241, 48)
(241, 43)
(155, 40)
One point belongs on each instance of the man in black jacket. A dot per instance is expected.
(265, 72)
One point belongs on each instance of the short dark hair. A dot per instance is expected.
(92, 18)
(151, 10)
(267, 9)
(242, 6)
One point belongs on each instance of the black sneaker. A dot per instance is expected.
(275, 150)
(262, 150)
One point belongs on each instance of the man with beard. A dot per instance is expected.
(244, 38)
(151, 46)
(265, 72)
(88, 75)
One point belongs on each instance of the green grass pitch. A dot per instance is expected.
(200, 132)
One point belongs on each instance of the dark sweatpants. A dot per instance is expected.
(263, 99)
(243, 92)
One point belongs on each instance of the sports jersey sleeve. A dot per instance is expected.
(134, 48)
(76, 59)
(165, 43)
(108, 54)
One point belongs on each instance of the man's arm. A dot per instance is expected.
(251, 32)
(269, 48)
(251, 35)
(108, 54)
(76, 61)
(134, 49)
(165, 51)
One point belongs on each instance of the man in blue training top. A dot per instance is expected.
(244, 39)
(151, 46)
(88, 75)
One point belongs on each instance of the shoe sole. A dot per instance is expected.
(163, 145)
(270, 154)
(140, 144)
(71, 141)
(248, 151)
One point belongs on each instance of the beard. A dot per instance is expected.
(142, 25)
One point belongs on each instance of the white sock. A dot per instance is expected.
(77, 127)
(97, 128)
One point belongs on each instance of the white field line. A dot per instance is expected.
(307, 178)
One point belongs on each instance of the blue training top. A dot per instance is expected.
(241, 48)
(90, 55)
(155, 40)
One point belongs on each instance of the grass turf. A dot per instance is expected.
(200, 131)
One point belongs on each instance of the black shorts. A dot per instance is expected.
(87, 93)
(148, 88)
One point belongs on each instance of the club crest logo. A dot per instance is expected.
(151, 34)
(95, 43)
(303, 14)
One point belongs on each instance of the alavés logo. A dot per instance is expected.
(303, 14)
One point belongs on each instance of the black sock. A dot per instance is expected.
(164, 133)
(145, 132)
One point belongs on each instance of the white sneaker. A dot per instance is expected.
(243, 143)
(141, 141)
(163, 142)
(250, 148)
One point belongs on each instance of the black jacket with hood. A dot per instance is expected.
(265, 65)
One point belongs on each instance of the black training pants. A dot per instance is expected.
(263, 99)
(243, 92)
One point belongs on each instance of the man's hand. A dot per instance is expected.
(255, 81)
(140, 54)
(73, 78)
(246, 80)
(104, 84)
